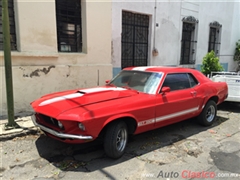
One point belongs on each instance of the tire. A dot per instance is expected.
(208, 114)
(115, 139)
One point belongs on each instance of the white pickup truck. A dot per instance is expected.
(233, 81)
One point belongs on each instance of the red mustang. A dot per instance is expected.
(138, 99)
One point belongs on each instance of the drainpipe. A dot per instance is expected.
(155, 51)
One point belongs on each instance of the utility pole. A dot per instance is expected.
(8, 66)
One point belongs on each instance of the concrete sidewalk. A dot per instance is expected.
(26, 127)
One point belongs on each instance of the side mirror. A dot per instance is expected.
(165, 89)
(107, 81)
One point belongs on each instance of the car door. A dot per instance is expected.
(179, 103)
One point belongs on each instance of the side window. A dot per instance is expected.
(177, 81)
(193, 80)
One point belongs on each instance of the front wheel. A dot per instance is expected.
(208, 114)
(115, 140)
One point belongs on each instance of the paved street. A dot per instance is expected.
(181, 151)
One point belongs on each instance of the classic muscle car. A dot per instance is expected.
(138, 99)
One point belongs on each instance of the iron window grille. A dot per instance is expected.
(69, 29)
(214, 37)
(12, 26)
(188, 42)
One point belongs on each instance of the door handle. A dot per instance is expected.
(194, 93)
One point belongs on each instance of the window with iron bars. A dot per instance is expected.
(214, 37)
(69, 29)
(11, 24)
(188, 42)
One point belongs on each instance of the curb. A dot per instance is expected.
(26, 128)
(23, 132)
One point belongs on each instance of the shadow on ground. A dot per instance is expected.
(230, 106)
(90, 157)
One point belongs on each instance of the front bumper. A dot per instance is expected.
(60, 135)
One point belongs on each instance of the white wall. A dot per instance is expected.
(169, 16)
(227, 14)
(167, 33)
(38, 68)
(235, 35)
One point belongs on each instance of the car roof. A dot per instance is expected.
(167, 69)
(164, 69)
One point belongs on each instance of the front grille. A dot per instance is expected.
(47, 121)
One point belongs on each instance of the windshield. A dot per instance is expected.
(146, 82)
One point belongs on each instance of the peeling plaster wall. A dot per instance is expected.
(31, 82)
(39, 69)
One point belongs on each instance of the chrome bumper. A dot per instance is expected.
(60, 135)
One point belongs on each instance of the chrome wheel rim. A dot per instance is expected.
(121, 139)
(210, 113)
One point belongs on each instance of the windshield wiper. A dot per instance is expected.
(112, 85)
(127, 87)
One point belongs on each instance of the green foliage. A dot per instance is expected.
(237, 52)
(210, 63)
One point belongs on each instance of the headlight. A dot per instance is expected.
(81, 126)
(60, 124)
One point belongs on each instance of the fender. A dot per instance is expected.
(103, 122)
(112, 118)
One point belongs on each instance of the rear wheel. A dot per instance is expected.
(208, 114)
(115, 139)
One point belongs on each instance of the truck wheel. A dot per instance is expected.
(208, 114)
(115, 139)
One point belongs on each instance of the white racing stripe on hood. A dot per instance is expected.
(99, 89)
(75, 95)
(61, 98)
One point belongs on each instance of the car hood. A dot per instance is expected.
(57, 103)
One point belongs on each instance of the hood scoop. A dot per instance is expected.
(100, 90)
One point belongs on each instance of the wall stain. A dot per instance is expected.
(44, 70)
(68, 74)
(24, 74)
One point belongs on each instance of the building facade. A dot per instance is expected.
(173, 33)
(61, 44)
(56, 45)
